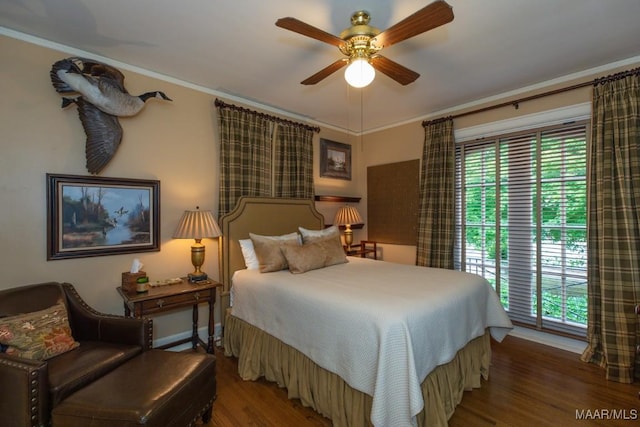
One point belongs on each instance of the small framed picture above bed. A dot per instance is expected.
(335, 159)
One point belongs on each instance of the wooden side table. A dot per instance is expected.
(169, 297)
(364, 248)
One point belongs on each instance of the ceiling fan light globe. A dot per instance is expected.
(359, 73)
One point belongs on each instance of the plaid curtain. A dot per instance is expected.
(245, 156)
(293, 163)
(614, 228)
(436, 214)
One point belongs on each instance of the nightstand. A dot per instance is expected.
(363, 249)
(168, 297)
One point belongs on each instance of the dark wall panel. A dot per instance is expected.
(392, 202)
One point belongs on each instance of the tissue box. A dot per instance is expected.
(129, 280)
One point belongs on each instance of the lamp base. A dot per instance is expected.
(348, 237)
(197, 277)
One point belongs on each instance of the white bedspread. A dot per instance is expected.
(380, 326)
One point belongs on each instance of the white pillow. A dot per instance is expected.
(314, 235)
(249, 254)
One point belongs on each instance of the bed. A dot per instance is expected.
(362, 342)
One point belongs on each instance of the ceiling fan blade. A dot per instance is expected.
(429, 17)
(325, 72)
(297, 26)
(397, 72)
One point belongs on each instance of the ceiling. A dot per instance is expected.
(232, 49)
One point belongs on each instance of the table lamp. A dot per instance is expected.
(346, 216)
(197, 225)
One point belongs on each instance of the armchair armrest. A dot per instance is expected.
(24, 386)
(89, 324)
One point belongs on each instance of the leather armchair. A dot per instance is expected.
(30, 389)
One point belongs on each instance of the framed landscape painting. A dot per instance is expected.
(94, 216)
(335, 159)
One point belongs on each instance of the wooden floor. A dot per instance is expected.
(530, 385)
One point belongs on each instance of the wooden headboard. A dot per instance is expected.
(268, 216)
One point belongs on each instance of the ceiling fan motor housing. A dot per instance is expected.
(359, 36)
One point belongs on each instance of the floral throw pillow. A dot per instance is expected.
(39, 335)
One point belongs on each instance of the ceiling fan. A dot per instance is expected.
(361, 44)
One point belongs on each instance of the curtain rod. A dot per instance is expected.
(222, 104)
(517, 102)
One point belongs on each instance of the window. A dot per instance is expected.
(521, 222)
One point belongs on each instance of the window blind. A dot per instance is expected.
(521, 215)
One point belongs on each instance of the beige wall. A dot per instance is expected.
(174, 142)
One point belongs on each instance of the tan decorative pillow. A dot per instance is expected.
(334, 251)
(39, 335)
(267, 248)
(303, 258)
(309, 236)
(330, 237)
(314, 255)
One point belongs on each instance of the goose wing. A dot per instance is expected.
(77, 74)
(104, 134)
(62, 67)
(101, 71)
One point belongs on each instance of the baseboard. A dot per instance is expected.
(202, 331)
(563, 343)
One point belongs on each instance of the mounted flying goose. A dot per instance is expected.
(102, 99)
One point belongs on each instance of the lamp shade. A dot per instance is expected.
(347, 215)
(359, 73)
(197, 225)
